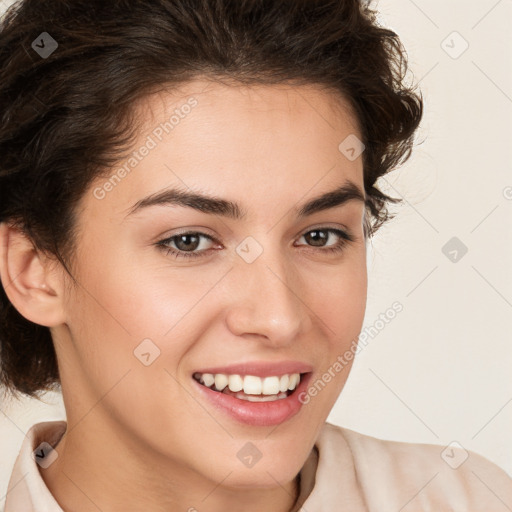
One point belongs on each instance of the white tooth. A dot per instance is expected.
(221, 381)
(270, 386)
(235, 383)
(283, 383)
(252, 385)
(294, 380)
(271, 398)
(208, 379)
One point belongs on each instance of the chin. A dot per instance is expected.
(265, 477)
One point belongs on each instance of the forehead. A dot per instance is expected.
(230, 100)
(238, 141)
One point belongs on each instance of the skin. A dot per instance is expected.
(139, 437)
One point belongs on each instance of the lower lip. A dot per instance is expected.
(261, 414)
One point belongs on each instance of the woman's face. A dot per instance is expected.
(268, 288)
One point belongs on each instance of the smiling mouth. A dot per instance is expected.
(251, 387)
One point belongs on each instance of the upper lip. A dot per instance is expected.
(260, 368)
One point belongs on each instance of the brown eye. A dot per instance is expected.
(186, 244)
(320, 236)
(316, 238)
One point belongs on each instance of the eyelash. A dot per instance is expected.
(345, 238)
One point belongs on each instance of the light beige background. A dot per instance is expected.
(440, 370)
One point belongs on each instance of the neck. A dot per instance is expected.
(98, 469)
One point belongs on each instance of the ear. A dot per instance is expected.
(32, 282)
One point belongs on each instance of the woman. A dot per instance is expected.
(187, 191)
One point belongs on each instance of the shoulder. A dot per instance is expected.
(416, 476)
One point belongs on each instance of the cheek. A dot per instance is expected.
(124, 295)
(116, 309)
(339, 299)
(124, 301)
(340, 303)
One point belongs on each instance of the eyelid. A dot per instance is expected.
(339, 227)
(344, 235)
(163, 243)
(203, 231)
(192, 229)
(327, 226)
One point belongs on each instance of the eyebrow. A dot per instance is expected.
(349, 191)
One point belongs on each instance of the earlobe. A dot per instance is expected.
(29, 279)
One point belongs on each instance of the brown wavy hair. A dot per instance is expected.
(67, 118)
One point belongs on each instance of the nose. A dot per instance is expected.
(268, 301)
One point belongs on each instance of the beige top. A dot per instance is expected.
(345, 471)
